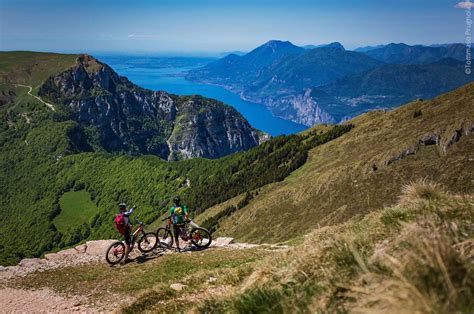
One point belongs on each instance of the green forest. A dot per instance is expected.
(46, 155)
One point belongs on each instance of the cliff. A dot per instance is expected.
(122, 117)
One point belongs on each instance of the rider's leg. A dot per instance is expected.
(127, 243)
(176, 233)
(127, 251)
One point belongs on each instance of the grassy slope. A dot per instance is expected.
(413, 257)
(337, 182)
(416, 256)
(76, 208)
(32, 68)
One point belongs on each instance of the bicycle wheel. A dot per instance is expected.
(147, 242)
(115, 253)
(165, 238)
(200, 237)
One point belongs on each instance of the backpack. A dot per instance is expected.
(120, 223)
(178, 215)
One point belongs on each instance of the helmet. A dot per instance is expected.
(177, 200)
(122, 206)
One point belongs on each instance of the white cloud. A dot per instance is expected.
(465, 5)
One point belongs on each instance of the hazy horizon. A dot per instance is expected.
(211, 27)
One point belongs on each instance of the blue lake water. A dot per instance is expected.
(158, 73)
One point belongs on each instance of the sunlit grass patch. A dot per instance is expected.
(76, 209)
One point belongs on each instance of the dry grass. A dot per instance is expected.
(415, 257)
(339, 174)
(422, 190)
(427, 276)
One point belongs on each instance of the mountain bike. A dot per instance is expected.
(198, 236)
(146, 243)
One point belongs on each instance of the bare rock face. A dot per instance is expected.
(90, 252)
(30, 262)
(98, 247)
(127, 118)
(300, 108)
(209, 129)
(222, 242)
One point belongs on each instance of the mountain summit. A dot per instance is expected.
(116, 115)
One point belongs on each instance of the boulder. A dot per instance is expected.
(177, 286)
(222, 242)
(98, 247)
(30, 262)
(81, 248)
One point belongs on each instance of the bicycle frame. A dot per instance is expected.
(135, 235)
(184, 229)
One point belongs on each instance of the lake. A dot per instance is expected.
(165, 73)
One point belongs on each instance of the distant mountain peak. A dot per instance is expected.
(272, 50)
(277, 42)
(336, 45)
(277, 46)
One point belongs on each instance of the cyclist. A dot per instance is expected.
(179, 216)
(127, 228)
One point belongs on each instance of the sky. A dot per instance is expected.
(195, 27)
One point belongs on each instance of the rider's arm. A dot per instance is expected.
(186, 214)
(129, 212)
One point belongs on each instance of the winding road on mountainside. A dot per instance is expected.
(50, 106)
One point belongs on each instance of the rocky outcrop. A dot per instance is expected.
(209, 129)
(122, 117)
(442, 139)
(301, 109)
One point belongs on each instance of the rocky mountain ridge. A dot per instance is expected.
(122, 117)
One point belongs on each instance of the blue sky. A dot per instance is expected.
(207, 26)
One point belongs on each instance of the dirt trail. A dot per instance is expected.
(14, 300)
(50, 106)
(39, 301)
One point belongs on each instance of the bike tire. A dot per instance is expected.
(204, 233)
(117, 249)
(147, 242)
(164, 237)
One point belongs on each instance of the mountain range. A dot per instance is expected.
(372, 214)
(117, 116)
(418, 54)
(282, 76)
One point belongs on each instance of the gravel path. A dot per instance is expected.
(13, 300)
(50, 106)
(39, 301)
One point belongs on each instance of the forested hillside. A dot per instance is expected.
(50, 165)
